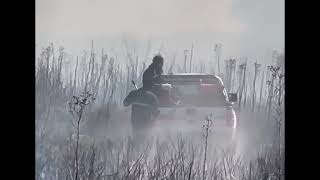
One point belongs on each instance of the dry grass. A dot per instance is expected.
(113, 157)
(170, 159)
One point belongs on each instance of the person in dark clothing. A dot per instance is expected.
(151, 78)
(152, 75)
(153, 81)
(144, 110)
(144, 100)
(143, 97)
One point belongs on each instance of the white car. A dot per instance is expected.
(198, 96)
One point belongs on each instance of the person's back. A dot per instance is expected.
(142, 97)
(143, 111)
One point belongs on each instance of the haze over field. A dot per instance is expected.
(245, 28)
(84, 128)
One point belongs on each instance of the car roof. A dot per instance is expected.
(193, 75)
(190, 75)
(181, 74)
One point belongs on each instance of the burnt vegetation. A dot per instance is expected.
(82, 131)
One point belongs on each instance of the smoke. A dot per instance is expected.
(67, 19)
(245, 28)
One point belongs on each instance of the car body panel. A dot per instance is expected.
(192, 116)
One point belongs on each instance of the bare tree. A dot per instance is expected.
(242, 79)
(256, 70)
(261, 89)
(76, 107)
(185, 60)
(218, 50)
(191, 56)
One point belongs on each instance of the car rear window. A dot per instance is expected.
(196, 90)
(199, 94)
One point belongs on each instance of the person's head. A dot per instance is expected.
(157, 62)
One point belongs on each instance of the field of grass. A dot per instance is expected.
(91, 139)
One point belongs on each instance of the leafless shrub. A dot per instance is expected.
(118, 159)
(123, 160)
(256, 70)
(76, 107)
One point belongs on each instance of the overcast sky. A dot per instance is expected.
(244, 27)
